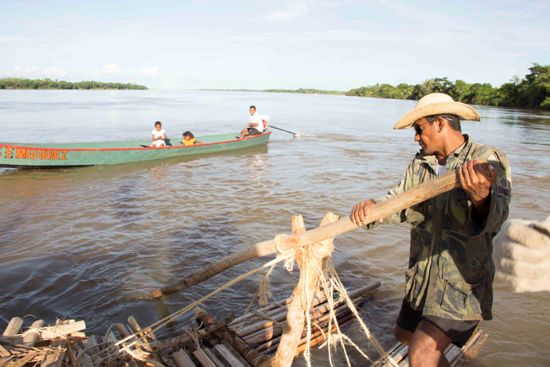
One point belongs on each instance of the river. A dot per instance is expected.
(88, 243)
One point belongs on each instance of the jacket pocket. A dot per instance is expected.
(459, 298)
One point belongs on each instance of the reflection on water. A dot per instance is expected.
(90, 242)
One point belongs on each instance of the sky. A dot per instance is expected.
(325, 44)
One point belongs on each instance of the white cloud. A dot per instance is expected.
(21, 71)
(34, 71)
(54, 72)
(150, 72)
(107, 69)
(12, 39)
(335, 35)
(297, 9)
(256, 37)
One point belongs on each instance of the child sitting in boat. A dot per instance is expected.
(158, 136)
(188, 139)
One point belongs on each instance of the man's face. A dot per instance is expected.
(252, 111)
(426, 135)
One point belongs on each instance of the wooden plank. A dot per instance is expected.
(32, 335)
(227, 357)
(397, 353)
(13, 326)
(23, 361)
(210, 353)
(54, 358)
(123, 330)
(134, 325)
(203, 359)
(62, 330)
(4, 352)
(182, 359)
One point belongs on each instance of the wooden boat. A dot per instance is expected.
(108, 153)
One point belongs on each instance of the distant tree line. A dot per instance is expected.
(17, 83)
(304, 91)
(533, 91)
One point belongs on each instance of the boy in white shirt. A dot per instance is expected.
(158, 136)
(255, 124)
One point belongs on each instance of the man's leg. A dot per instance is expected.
(402, 335)
(427, 346)
(407, 322)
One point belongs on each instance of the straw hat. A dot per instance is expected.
(436, 104)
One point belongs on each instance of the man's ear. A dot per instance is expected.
(440, 121)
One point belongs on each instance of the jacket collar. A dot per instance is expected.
(455, 159)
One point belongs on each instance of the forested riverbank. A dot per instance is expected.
(532, 91)
(19, 83)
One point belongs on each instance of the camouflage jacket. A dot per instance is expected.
(451, 270)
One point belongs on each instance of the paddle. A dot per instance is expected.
(295, 135)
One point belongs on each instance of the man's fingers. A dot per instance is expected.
(472, 172)
(362, 212)
(353, 214)
(359, 212)
(466, 175)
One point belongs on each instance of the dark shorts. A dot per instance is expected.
(458, 331)
(253, 131)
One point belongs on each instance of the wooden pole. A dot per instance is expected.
(416, 195)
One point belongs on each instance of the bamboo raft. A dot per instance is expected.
(249, 340)
(270, 336)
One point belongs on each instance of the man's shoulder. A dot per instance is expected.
(421, 160)
(484, 150)
(489, 153)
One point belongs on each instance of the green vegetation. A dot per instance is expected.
(533, 91)
(304, 91)
(301, 90)
(16, 83)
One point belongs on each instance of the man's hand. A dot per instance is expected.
(476, 179)
(359, 213)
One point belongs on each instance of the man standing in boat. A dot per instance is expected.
(449, 280)
(255, 124)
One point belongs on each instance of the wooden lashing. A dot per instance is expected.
(309, 261)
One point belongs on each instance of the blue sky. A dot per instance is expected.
(324, 44)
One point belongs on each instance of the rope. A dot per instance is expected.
(328, 279)
(130, 340)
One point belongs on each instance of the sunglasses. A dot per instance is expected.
(418, 128)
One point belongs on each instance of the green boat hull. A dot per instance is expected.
(109, 153)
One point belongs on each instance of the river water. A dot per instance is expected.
(88, 243)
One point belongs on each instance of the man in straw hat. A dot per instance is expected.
(450, 275)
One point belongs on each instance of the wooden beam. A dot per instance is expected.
(416, 195)
(13, 326)
(181, 359)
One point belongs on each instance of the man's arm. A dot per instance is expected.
(360, 211)
(477, 179)
(488, 186)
